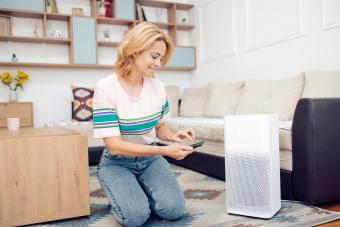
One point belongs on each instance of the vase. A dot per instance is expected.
(102, 9)
(12, 96)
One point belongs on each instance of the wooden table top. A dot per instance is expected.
(35, 132)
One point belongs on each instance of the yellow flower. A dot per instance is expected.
(13, 83)
(7, 78)
(22, 75)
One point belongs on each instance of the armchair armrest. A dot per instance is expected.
(316, 150)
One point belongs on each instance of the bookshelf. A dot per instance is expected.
(83, 35)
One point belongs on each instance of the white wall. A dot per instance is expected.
(49, 88)
(265, 39)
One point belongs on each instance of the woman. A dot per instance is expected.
(130, 111)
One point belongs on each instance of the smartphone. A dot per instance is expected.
(197, 143)
(193, 144)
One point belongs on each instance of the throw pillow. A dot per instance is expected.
(194, 101)
(172, 92)
(271, 97)
(82, 103)
(222, 99)
(322, 84)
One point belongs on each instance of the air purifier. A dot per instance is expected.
(252, 165)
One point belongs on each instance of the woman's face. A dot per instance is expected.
(149, 60)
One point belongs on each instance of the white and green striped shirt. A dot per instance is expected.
(115, 113)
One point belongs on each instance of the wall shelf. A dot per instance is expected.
(54, 16)
(114, 21)
(163, 4)
(21, 13)
(34, 39)
(108, 44)
(83, 32)
(185, 27)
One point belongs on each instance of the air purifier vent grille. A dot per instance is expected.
(248, 180)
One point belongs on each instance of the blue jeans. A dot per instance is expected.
(136, 185)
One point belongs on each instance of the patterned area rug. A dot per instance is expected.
(205, 206)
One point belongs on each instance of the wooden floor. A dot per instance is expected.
(331, 207)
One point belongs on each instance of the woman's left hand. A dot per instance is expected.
(184, 133)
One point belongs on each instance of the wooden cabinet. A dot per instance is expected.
(23, 110)
(44, 175)
(83, 37)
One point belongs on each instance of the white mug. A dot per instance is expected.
(13, 123)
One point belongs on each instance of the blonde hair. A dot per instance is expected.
(139, 39)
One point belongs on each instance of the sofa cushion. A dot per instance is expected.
(213, 129)
(172, 93)
(222, 99)
(322, 84)
(194, 101)
(217, 149)
(205, 128)
(271, 97)
(285, 138)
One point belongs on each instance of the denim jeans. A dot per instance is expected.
(135, 186)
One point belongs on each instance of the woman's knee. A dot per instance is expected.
(133, 217)
(126, 211)
(170, 209)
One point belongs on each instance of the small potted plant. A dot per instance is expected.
(14, 83)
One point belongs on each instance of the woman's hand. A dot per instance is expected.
(184, 133)
(178, 151)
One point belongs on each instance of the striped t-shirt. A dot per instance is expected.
(115, 113)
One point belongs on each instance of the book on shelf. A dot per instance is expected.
(140, 13)
(143, 14)
(54, 6)
(48, 6)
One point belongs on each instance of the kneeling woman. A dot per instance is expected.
(130, 111)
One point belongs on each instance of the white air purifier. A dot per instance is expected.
(252, 165)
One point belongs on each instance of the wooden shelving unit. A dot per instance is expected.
(170, 25)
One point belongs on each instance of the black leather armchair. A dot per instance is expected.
(316, 150)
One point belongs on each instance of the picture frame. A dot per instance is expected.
(5, 25)
(77, 12)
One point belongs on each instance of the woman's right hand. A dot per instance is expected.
(178, 151)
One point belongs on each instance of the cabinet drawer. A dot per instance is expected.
(23, 110)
